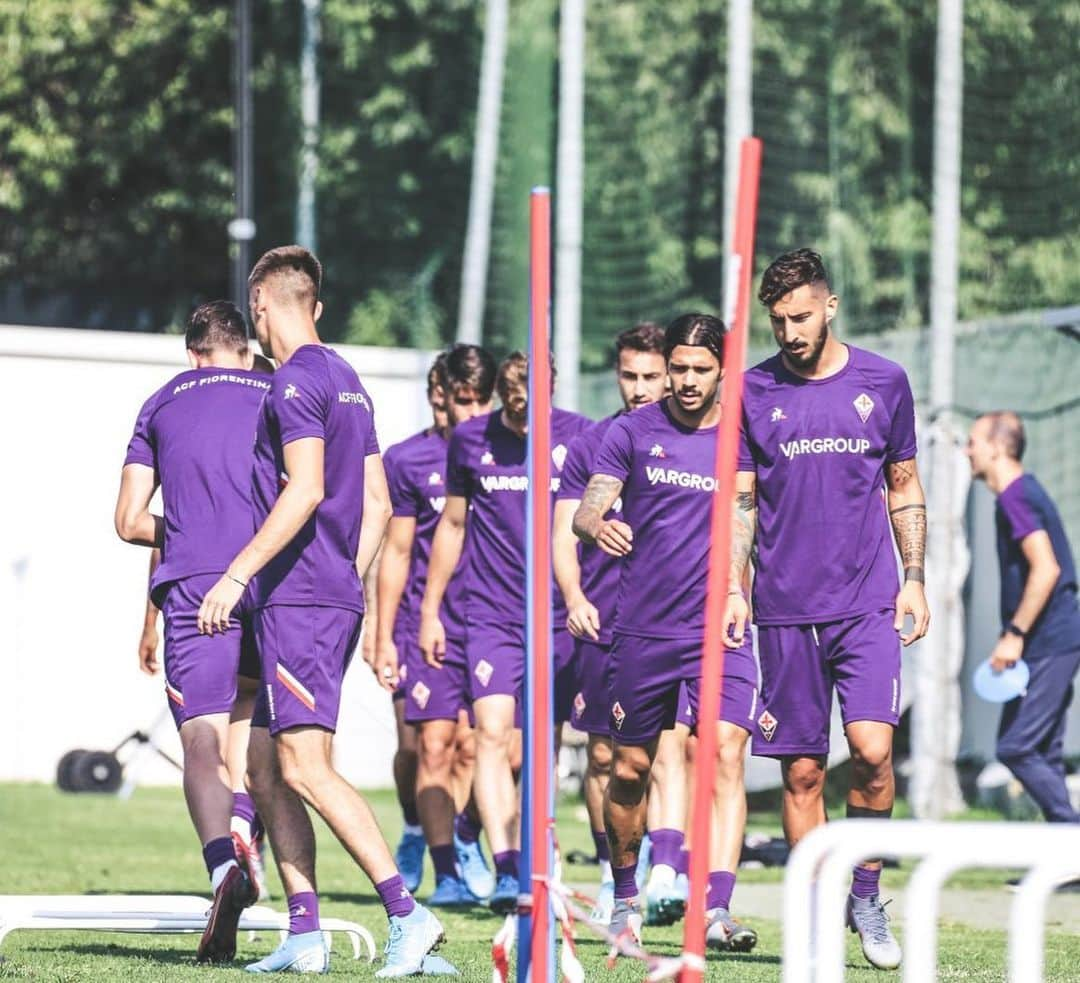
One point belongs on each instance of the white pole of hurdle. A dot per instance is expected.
(814, 914)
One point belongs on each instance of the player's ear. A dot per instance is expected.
(318, 309)
(832, 302)
(192, 358)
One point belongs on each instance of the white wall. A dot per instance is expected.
(72, 594)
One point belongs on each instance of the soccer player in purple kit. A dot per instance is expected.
(484, 520)
(589, 583)
(660, 460)
(320, 507)
(435, 698)
(1039, 615)
(826, 463)
(193, 437)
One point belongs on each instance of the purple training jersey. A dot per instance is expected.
(316, 393)
(819, 448)
(488, 466)
(196, 433)
(416, 473)
(668, 491)
(599, 570)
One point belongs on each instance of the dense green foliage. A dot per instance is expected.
(115, 156)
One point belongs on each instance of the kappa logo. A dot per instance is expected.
(434, 478)
(656, 451)
(579, 706)
(558, 455)
(421, 694)
(777, 415)
(483, 671)
(618, 714)
(487, 458)
(291, 392)
(767, 724)
(864, 406)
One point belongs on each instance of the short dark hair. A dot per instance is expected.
(512, 370)
(216, 326)
(697, 330)
(1007, 428)
(435, 375)
(468, 365)
(296, 274)
(644, 337)
(790, 271)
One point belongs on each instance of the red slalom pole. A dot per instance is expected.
(536, 960)
(712, 663)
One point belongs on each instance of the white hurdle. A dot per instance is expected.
(818, 875)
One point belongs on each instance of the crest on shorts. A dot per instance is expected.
(579, 706)
(767, 724)
(483, 671)
(558, 455)
(420, 694)
(864, 406)
(618, 714)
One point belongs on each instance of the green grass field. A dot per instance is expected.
(68, 844)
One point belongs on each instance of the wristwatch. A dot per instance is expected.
(1012, 629)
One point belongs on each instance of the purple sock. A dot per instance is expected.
(243, 807)
(218, 852)
(395, 897)
(666, 844)
(683, 865)
(506, 862)
(466, 828)
(445, 860)
(303, 913)
(409, 813)
(600, 841)
(864, 881)
(625, 885)
(721, 884)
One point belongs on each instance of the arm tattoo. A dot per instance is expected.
(900, 473)
(909, 527)
(742, 534)
(599, 496)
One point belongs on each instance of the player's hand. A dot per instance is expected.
(615, 538)
(385, 665)
(432, 640)
(582, 619)
(736, 616)
(368, 645)
(912, 600)
(217, 606)
(148, 646)
(1007, 652)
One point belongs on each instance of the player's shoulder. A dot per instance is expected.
(644, 420)
(418, 447)
(472, 432)
(878, 371)
(568, 423)
(766, 375)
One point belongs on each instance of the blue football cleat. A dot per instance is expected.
(451, 892)
(474, 868)
(410, 859)
(411, 939)
(504, 899)
(305, 953)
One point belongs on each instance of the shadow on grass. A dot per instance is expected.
(171, 957)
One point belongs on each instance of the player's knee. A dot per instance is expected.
(872, 761)
(629, 774)
(201, 744)
(1008, 753)
(730, 761)
(436, 751)
(599, 759)
(804, 780)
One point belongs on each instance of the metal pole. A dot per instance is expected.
(569, 205)
(242, 227)
(310, 36)
(739, 110)
(482, 192)
(935, 788)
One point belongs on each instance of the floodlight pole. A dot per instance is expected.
(310, 36)
(935, 788)
(569, 204)
(474, 264)
(242, 227)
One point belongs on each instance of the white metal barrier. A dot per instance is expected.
(818, 875)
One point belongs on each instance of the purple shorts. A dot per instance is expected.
(800, 666)
(404, 638)
(645, 678)
(590, 702)
(201, 670)
(685, 714)
(566, 674)
(305, 652)
(436, 694)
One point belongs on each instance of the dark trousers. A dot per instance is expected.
(1031, 735)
